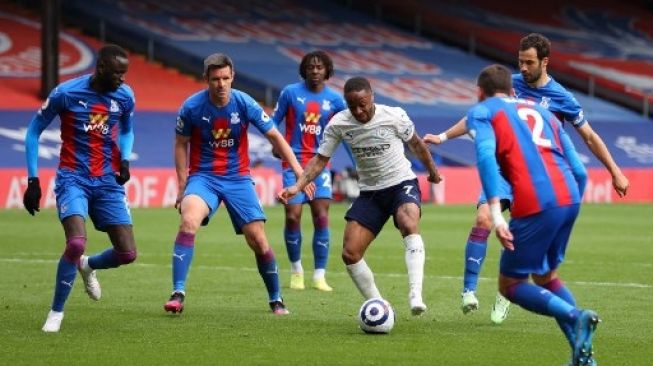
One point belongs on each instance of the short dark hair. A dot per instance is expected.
(495, 79)
(320, 55)
(541, 44)
(110, 51)
(217, 61)
(357, 83)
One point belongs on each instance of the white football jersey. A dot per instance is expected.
(377, 146)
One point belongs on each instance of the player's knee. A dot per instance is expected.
(126, 257)
(483, 221)
(293, 223)
(351, 257)
(75, 247)
(321, 221)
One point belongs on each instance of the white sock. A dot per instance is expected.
(363, 278)
(296, 267)
(415, 258)
(319, 273)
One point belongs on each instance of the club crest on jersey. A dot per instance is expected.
(545, 102)
(235, 119)
(326, 105)
(114, 107)
(383, 132)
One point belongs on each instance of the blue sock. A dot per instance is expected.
(321, 248)
(475, 251)
(267, 267)
(541, 301)
(558, 288)
(66, 272)
(293, 238)
(104, 260)
(182, 256)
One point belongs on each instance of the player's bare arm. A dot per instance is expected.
(500, 225)
(181, 165)
(418, 147)
(283, 149)
(598, 148)
(457, 130)
(314, 167)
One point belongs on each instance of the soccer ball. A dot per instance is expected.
(376, 316)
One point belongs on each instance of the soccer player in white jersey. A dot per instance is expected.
(388, 187)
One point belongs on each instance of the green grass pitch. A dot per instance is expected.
(227, 322)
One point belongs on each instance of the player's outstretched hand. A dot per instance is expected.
(32, 195)
(505, 237)
(124, 175)
(620, 184)
(434, 177)
(287, 193)
(432, 139)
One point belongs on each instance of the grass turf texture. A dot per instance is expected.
(227, 321)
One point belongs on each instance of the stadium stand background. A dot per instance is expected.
(434, 82)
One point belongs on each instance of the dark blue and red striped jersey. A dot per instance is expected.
(531, 149)
(218, 135)
(306, 114)
(90, 124)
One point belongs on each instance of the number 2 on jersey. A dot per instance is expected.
(527, 114)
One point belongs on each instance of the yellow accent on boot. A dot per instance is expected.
(322, 285)
(297, 281)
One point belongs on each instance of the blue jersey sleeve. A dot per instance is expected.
(183, 121)
(126, 137)
(571, 110)
(339, 105)
(280, 110)
(257, 116)
(480, 127)
(52, 106)
(577, 167)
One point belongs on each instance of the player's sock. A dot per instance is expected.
(182, 256)
(558, 287)
(363, 278)
(415, 258)
(67, 270)
(296, 267)
(267, 267)
(541, 301)
(321, 243)
(293, 237)
(110, 258)
(318, 274)
(475, 251)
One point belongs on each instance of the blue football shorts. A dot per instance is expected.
(100, 198)
(238, 195)
(540, 242)
(372, 209)
(322, 186)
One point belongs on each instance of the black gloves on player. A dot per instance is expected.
(32, 195)
(124, 175)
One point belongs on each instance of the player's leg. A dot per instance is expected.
(292, 232)
(248, 219)
(365, 219)
(72, 208)
(475, 252)
(356, 240)
(292, 235)
(321, 242)
(406, 211)
(194, 209)
(267, 264)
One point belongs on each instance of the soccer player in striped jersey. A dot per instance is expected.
(97, 135)
(376, 134)
(306, 107)
(212, 164)
(526, 144)
(533, 83)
